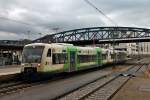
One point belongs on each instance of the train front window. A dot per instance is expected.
(32, 54)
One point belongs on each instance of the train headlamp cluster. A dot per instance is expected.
(39, 65)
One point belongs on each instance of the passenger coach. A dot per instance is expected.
(61, 57)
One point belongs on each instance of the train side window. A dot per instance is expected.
(59, 58)
(49, 53)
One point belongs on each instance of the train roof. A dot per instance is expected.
(64, 44)
(40, 44)
(52, 44)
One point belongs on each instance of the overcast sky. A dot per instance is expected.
(18, 17)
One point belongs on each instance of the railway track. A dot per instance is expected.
(19, 86)
(104, 88)
(14, 87)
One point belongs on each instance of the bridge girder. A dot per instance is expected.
(99, 35)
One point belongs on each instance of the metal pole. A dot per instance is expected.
(139, 51)
(94, 40)
(114, 60)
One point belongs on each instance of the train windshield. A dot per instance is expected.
(32, 54)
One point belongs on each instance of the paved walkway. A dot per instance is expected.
(8, 66)
(9, 69)
(138, 88)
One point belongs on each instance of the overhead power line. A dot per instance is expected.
(16, 21)
(101, 12)
(20, 22)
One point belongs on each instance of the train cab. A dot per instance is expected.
(32, 57)
(41, 57)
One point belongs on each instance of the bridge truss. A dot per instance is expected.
(99, 35)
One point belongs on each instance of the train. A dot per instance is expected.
(63, 57)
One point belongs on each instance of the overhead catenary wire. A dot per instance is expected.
(101, 12)
(21, 22)
(16, 21)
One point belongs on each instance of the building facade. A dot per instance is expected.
(144, 48)
(130, 48)
(135, 48)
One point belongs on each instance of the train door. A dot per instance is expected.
(48, 59)
(72, 61)
(99, 58)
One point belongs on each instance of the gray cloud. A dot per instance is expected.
(45, 15)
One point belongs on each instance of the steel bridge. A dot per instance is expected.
(98, 35)
(13, 44)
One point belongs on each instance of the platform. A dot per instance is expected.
(9, 69)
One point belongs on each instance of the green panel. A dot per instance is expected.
(67, 64)
(78, 64)
(99, 56)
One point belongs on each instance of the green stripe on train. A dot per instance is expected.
(67, 64)
(99, 56)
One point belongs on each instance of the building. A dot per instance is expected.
(11, 51)
(130, 48)
(144, 48)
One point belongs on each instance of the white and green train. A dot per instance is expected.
(61, 57)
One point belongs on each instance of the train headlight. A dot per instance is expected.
(39, 65)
